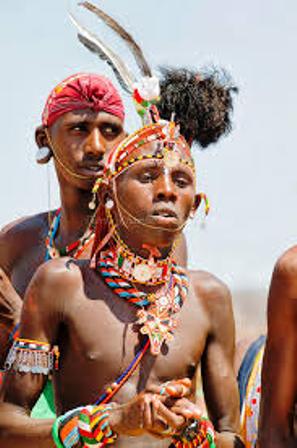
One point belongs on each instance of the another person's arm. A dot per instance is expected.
(10, 302)
(218, 376)
(279, 374)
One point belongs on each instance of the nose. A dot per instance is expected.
(165, 188)
(94, 146)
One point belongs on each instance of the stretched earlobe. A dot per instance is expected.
(44, 152)
(43, 155)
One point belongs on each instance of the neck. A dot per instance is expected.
(75, 214)
(139, 245)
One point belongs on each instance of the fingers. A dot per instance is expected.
(174, 420)
(3, 275)
(9, 299)
(187, 409)
(176, 388)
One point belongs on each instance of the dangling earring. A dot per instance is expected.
(204, 198)
(109, 204)
(92, 203)
(43, 155)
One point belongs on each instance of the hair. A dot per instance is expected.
(201, 101)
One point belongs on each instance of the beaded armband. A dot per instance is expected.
(32, 356)
(88, 425)
(198, 433)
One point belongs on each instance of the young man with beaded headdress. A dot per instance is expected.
(133, 307)
(133, 324)
(72, 128)
(82, 120)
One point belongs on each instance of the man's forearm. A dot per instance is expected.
(18, 430)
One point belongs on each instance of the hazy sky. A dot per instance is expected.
(250, 176)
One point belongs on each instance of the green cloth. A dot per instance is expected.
(45, 406)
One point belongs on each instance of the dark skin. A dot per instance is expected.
(81, 140)
(96, 330)
(279, 383)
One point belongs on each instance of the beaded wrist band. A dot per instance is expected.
(88, 425)
(94, 428)
(198, 433)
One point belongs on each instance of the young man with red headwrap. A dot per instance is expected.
(133, 325)
(82, 120)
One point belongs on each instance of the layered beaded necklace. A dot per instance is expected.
(156, 313)
(75, 249)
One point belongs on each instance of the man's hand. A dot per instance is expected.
(10, 313)
(145, 413)
(161, 411)
(10, 301)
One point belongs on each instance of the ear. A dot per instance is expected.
(41, 137)
(44, 152)
(196, 203)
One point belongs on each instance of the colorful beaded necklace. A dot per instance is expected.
(76, 248)
(157, 320)
(155, 315)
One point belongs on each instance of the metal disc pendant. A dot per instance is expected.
(142, 273)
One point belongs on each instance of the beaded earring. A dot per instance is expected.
(92, 203)
(43, 155)
(109, 204)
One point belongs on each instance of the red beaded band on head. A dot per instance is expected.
(174, 145)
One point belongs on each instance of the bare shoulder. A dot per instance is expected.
(284, 279)
(61, 275)
(24, 224)
(19, 235)
(287, 263)
(211, 290)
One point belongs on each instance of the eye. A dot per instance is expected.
(79, 127)
(147, 176)
(110, 130)
(182, 180)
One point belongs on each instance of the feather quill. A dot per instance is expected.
(95, 45)
(128, 39)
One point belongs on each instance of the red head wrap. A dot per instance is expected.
(82, 91)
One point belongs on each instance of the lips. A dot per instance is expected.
(165, 212)
(94, 168)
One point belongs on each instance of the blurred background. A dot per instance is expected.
(250, 176)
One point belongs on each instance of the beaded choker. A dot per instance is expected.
(76, 248)
(157, 316)
(132, 267)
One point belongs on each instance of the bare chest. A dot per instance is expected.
(103, 339)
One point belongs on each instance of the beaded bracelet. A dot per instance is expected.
(198, 433)
(88, 425)
(93, 426)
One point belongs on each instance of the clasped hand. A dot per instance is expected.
(161, 411)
